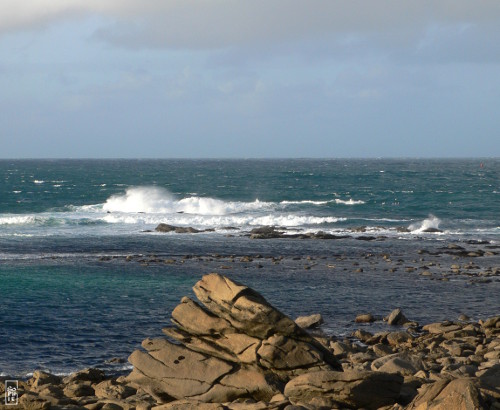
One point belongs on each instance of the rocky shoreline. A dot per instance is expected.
(232, 349)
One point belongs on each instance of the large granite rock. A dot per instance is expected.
(235, 345)
(351, 389)
(458, 394)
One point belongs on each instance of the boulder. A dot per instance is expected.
(398, 338)
(76, 389)
(396, 317)
(177, 229)
(458, 394)
(265, 232)
(364, 318)
(398, 363)
(440, 328)
(30, 401)
(233, 345)
(41, 378)
(88, 375)
(352, 389)
(307, 322)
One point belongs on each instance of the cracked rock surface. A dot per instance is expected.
(232, 345)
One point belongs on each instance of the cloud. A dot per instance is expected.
(221, 24)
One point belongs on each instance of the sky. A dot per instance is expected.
(249, 78)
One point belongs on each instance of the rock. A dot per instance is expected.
(243, 383)
(110, 389)
(235, 345)
(362, 335)
(492, 322)
(265, 232)
(381, 349)
(364, 318)
(398, 338)
(30, 401)
(398, 363)
(49, 390)
(190, 317)
(41, 378)
(340, 349)
(180, 372)
(90, 375)
(177, 229)
(307, 322)
(458, 394)
(76, 389)
(351, 389)
(165, 228)
(396, 317)
(282, 353)
(432, 230)
(111, 406)
(440, 328)
(189, 405)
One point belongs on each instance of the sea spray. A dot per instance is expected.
(429, 224)
(159, 200)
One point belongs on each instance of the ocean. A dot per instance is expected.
(84, 276)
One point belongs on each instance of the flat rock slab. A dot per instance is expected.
(181, 372)
(307, 322)
(352, 389)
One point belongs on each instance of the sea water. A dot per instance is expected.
(71, 298)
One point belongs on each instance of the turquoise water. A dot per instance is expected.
(71, 300)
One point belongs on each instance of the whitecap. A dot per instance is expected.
(308, 202)
(350, 201)
(37, 181)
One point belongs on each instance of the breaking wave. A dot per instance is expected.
(349, 201)
(431, 223)
(158, 200)
(17, 219)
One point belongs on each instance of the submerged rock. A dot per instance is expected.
(177, 229)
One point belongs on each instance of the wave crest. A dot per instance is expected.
(159, 200)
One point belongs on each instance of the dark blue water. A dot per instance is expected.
(70, 299)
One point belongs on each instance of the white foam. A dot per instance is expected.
(17, 220)
(158, 200)
(292, 220)
(432, 222)
(350, 201)
(37, 181)
(308, 202)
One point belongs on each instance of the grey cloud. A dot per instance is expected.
(218, 24)
(439, 31)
